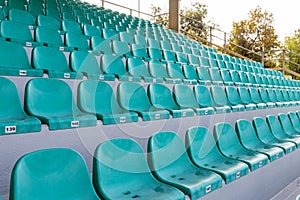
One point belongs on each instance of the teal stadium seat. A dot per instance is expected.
(50, 38)
(249, 140)
(225, 75)
(137, 67)
(13, 119)
(278, 131)
(110, 34)
(203, 75)
(47, 174)
(234, 100)
(71, 26)
(126, 37)
(247, 100)
(17, 32)
(86, 63)
(58, 113)
(140, 52)
(120, 171)
(133, 97)
(77, 41)
(190, 73)
(48, 22)
(53, 62)
(185, 98)
(220, 101)
(158, 70)
(229, 144)
(175, 71)
(161, 97)
(91, 31)
(215, 76)
(255, 96)
(98, 98)
(14, 61)
(287, 125)
(170, 163)
(203, 151)
(156, 54)
(22, 16)
(112, 64)
(265, 98)
(265, 135)
(295, 121)
(121, 49)
(100, 45)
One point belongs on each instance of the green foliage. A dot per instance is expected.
(292, 44)
(255, 33)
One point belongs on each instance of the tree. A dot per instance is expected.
(254, 33)
(193, 19)
(292, 44)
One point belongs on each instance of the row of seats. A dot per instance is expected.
(111, 66)
(96, 100)
(171, 170)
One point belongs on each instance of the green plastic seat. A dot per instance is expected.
(255, 96)
(215, 76)
(204, 61)
(48, 22)
(77, 41)
(110, 34)
(53, 62)
(126, 37)
(133, 97)
(170, 163)
(203, 151)
(236, 78)
(91, 31)
(158, 70)
(121, 49)
(140, 40)
(287, 125)
(56, 173)
(86, 63)
(203, 75)
(169, 56)
(58, 113)
(225, 75)
(162, 97)
(112, 64)
(295, 121)
(249, 140)
(234, 100)
(98, 98)
(70, 26)
(120, 171)
(155, 54)
(175, 71)
(140, 52)
(205, 101)
(273, 97)
(279, 132)
(265, 135)
(190, 73)
(137, 67)
(220, 100)
(247, 100)
(194, 60)
(13, 119)
(21, 16)
(14, 61)
(185, 98)
(100, 45)
(17, 32)
(265, 98)
(229, 144)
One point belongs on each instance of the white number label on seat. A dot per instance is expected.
(22, 73)
(67, 75)
(101, 77)
(157, 116)
(10, 129)
(122, 119)
(238, 175)
(74, 123)
(208, 189)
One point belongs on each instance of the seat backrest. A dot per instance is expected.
(137, 67)
(83, 61)
(219, 96)
(16, 31)
(119, 163)
(175, 71)
(193, 59)
(77, 41)
(126, 37)
(90, 30)
(255, 96)
(184, 96)
(232, 95)
(201, 145)
(21, 16)
(48, 22)
(47, 58)
(41, 98)
(158, 69)
(140, 40)
(112, 64)
(47, 174)
(71, 26)
(214, 74)
(190, 72)
(264, 95)
(13, 55)
(244, 95)
(203, 96)
(262, 129)
(10, 103)
(275, 126)
(167, 153)
(235, 76)
(203, 73)
(246, 133)
(294, 120)
(48, 36)
(101, 45)
(120, 48)
(132, 96)
(97, 97)
(227, 138)
(286, 124)
(161, 96)
(272, 95)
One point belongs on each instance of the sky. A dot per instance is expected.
(224, 13)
